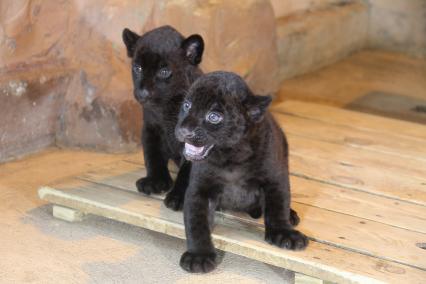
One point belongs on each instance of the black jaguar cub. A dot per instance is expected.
(239, 161)
(164, 65)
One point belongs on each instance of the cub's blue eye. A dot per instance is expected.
(186, 106)
(137, 69)
(214, 117)
(164, 73)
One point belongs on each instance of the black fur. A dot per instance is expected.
(240, 162)
(164, 65)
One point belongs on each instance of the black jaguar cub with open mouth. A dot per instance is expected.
(239, 161)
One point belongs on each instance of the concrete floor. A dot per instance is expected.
(37, 248)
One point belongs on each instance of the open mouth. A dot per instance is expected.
(194, 153)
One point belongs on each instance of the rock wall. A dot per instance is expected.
(312, 34)
(398, 25)
(320, 37)
(284, 8)
(65, 77)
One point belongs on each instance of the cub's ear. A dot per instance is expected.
(193, 47)
(130, 38)
(256, 107)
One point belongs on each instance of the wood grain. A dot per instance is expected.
(391, 143)
(359, 177)
(362, 121)
(358, 183)
(342, 230)
(319, 260)
(400, 214)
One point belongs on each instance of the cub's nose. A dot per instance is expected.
(184, 133)
(142, 94)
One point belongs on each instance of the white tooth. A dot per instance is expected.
(191, 149)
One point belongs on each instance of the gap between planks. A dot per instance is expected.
(331, 197)
(322, 224)
(396, 177)
(319, 260)
(390, 143)
(353, 119)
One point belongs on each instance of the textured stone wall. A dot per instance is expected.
(65, 77)
(311, 40)
(398, 25)
(284, 8)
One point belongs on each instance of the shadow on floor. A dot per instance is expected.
(157, 260)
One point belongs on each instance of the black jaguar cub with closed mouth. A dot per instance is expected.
(239, 161)
(164, 65)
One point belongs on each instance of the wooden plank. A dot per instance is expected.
(341, 230)
(67, 214)
(304, 279)
(319, 260)
(360, 204)
(355, 119)
(394, 176)
(390, 143)
(370, 178)
(357, 177)
(358, 158)
(379, 173)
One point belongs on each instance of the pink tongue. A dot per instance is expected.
(191, 149)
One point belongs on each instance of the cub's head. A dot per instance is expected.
(217, 112)
(162, 62)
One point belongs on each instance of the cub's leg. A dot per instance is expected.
(278, 228)
(158, 177)
(198, 210)
(175, 198)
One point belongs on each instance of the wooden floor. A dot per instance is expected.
(358, 183)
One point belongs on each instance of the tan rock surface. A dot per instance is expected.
(284, 8)
(76, 46)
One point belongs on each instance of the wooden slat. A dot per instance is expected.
(393, 176)
(354, 119)
(371, 178)
(360, 204)
(319, 260)
(341, 230)
(390, 143)
(358, 158)
(358, 177)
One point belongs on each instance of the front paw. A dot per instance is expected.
(150, 185)
(174, 200)
(286, 238)
(198, 262)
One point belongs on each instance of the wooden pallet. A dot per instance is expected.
(358, 183)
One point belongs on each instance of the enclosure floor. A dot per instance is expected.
(362, 73)
(37, 248)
